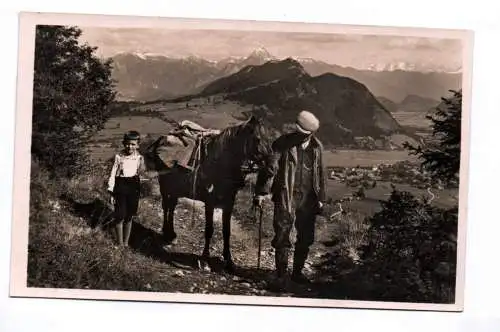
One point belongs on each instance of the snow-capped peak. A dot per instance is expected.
(144, 55)
(261, 52)
(408, 66)
(140, 55)
(304, 60)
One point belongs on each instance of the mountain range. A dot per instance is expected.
(147, 77)
(279, 89)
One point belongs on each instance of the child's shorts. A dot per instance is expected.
(126, 194)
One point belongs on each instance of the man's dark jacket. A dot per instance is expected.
(278, 176)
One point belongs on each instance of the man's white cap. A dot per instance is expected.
(307, 122)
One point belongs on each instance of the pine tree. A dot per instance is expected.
(441, 153)
(72, 91)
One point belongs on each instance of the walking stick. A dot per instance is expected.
(255, 208)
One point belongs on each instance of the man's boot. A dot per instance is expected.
(281, 261)
(299, 259)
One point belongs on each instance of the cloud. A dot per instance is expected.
(424, 44)
(320, 38)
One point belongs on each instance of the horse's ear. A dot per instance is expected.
(252, 122)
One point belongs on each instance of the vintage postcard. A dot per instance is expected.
(241, 162)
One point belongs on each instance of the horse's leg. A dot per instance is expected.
(226, 234)
(209, 231)
(168, 232)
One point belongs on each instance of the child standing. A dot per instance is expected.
(124, 185)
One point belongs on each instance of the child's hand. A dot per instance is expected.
(111, 198)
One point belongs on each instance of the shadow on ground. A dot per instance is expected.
(149, 243)
(146, 241)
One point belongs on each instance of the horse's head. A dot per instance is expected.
(257, 138)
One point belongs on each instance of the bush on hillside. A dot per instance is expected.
(411, 251)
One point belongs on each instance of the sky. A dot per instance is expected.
(358, 51)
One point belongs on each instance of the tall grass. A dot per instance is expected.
(350, 229)
(65, 252)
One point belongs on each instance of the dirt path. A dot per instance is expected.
(179, 263)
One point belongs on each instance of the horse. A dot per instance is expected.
(215, 180)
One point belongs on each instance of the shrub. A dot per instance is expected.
(411, 251)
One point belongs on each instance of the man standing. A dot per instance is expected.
(294, 176)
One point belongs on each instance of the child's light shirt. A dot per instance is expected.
(125, 166)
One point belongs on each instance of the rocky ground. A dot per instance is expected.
(180, 262)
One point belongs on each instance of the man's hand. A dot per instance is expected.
(320, 207)
(258, 199)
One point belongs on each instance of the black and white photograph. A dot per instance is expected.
(240, 162)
